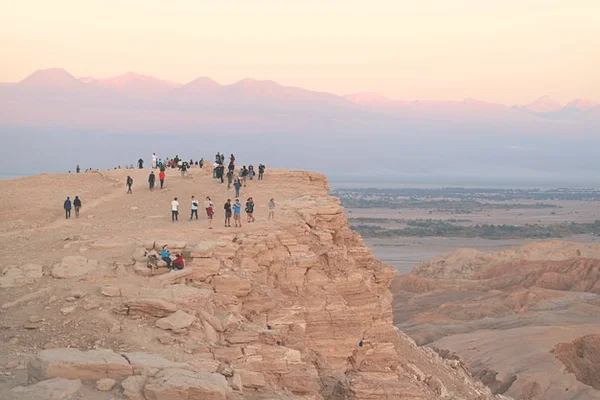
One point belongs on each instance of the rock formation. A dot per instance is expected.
(296, 308)
(481, 306)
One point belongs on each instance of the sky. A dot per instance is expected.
(507, 51)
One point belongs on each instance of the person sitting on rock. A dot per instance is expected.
(178, 262)
(165, 255)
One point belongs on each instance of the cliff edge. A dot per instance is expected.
(297, 307)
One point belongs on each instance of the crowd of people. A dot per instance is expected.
(231, 208)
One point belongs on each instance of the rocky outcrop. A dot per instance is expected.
(582, 358)
(51, 389)
(17, 276)
(293, 308)
(480, 306)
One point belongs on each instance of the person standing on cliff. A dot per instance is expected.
(261, 171)
(151, 180)
(67, 207)
(271, 209)
(77, 205)
(161, 177)
(141, 164)
(194, 208)
(129, 183)
(237, 213)
(229, 178)
(154, 160)
(237, 185)
(250, 210)
(175, 210)
(227, 208)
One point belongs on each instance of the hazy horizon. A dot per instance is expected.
(509, 52)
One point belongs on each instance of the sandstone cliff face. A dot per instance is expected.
(299, 308)
(582, 357)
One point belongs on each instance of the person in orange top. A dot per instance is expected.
(161, 178)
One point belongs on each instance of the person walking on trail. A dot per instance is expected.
(231, 159)
(184, 168)
(141, 164)
(151, 180)
(237, 185)
(207, 203)
(271, 209)
(261, 171)
(210, 212)
(154, 160)
(237, 213)
(129, 183)
(67, 207)
(161, 177)
(227, 208)
(229, 178)
(78, 170)
(175, 210)
(251, 172)
(250, 210)
(165, 255)
(194, 208)
(77, 205)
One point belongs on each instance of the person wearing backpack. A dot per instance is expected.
(261, 171)
(129, 183)
(77, 205)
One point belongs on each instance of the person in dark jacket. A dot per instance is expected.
(77, 205)
(67, 207)
(261, 171)
(151, 180)
(141, 163)
(129, 183)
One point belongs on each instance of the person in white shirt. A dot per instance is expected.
(194, 208)
(154, 160)
(174, 210)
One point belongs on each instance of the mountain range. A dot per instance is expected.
(133, 102)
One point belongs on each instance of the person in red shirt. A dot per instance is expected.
(178, 262)
(161, 178)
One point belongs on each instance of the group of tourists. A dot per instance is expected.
(68, 205)
(229, 208)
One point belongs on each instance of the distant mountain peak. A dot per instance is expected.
(544, 104)
(51, 78)
(582, 104)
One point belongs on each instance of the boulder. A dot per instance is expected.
(142, 362)
(74, 266)
(20, 276)
(180, 384)
(236, 382)
(231, 285)
(133, 387)
(106, 384)
(51, 389)
(76, 364)
(174, 276)
(155, 307)
(111, 291)
(176, 321)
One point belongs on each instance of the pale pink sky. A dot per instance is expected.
(510, 51)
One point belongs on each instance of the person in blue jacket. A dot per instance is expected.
(67, 207)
